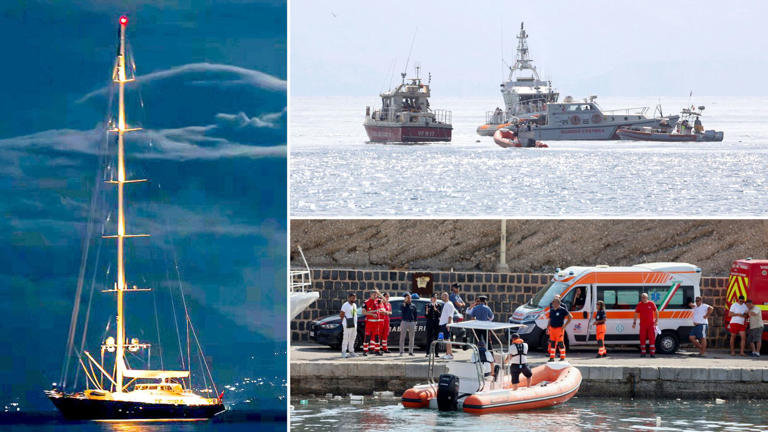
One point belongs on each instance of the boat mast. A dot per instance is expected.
(522, 61)
(120, 78)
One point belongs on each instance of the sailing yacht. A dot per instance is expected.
(126, 393)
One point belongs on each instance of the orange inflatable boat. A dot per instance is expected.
(507, 138)
(469, 386)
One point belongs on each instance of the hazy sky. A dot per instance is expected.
(617, 48)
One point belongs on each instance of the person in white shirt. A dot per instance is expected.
(349, 325)
(698, 335)
(736, 326)
(446, 317)
(755, 332)
(518, 361)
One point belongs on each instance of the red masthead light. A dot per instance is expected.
(123, 20)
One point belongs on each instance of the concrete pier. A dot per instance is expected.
(319, 370)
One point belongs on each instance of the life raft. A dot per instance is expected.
(551, 384)
(507, 138)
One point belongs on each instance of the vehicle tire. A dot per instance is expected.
(337, 345)
(667, 343)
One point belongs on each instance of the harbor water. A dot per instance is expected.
(336, 171)
(579, 414)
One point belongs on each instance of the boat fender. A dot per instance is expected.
(448, 393)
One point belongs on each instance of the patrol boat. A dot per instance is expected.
(405, 115)
(688, 128)
(483, 383)
(572, 120)
(525, 94)
(118, 391)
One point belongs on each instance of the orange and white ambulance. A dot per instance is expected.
(672, 286)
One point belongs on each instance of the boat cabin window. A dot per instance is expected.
(579, 107)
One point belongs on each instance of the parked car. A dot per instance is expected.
(328, 330)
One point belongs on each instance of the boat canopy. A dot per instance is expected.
(484, 325)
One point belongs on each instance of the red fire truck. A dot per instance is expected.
(749, 277)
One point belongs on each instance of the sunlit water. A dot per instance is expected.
(336, 172)
(579, 414)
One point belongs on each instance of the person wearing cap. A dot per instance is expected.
(600, 320)
(518, 361)
(559, 318)
(755, 332)
(455, 298)
(649, 317)
(701, 313)
(433, 311)
(408, 315)
(738, 312)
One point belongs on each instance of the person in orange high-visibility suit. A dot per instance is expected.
(559, 318)
(600, 320)
(384, 328)
(373, 321)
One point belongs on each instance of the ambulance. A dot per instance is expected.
(749, 278)
(671, 286)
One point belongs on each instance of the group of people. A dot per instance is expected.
(747, 323)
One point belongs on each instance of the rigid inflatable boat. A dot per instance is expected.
(507, 138)
(479, 385)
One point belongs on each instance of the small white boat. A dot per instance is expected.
(682, 132)
(301, 282)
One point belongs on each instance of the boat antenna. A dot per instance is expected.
(408, 60)
(501, 16)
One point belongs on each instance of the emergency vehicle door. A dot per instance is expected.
(578, 303)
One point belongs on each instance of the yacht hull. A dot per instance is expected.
(78, 408)
(302, 300)
(399, 133)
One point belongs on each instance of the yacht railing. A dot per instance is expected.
(627, 111)
(443, 116)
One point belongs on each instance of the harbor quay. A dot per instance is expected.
(318, 370)
(505, 292)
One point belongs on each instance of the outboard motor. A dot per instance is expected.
(448, 393)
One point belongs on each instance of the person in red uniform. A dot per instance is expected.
(649, 318)
(556, 330)
(600, 320)
(373, 322)
(384, 328)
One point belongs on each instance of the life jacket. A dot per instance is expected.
(521, 354)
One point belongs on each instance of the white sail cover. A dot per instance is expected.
(154, 374)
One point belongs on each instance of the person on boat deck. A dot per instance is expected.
(373, 320)
(559, 318)
(433, 320)
(600, 320)
(384, 329)
(649, 319)
(518, 360)
(697, 126)
(348, 316)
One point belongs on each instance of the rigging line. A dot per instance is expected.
(202, 357)
(410, 50)
(157, 327)
(95, 195)
(90, 301)
(173, 310)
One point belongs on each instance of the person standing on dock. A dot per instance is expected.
(698, 336)
(600, 320)
(736, 326)
(556, 329)
(348, 316)
(456, 299)
(446, 318)
(433, 320)
(409, 316)
(755, 332)
(384, 329)
(373, 321)
(649, 318)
